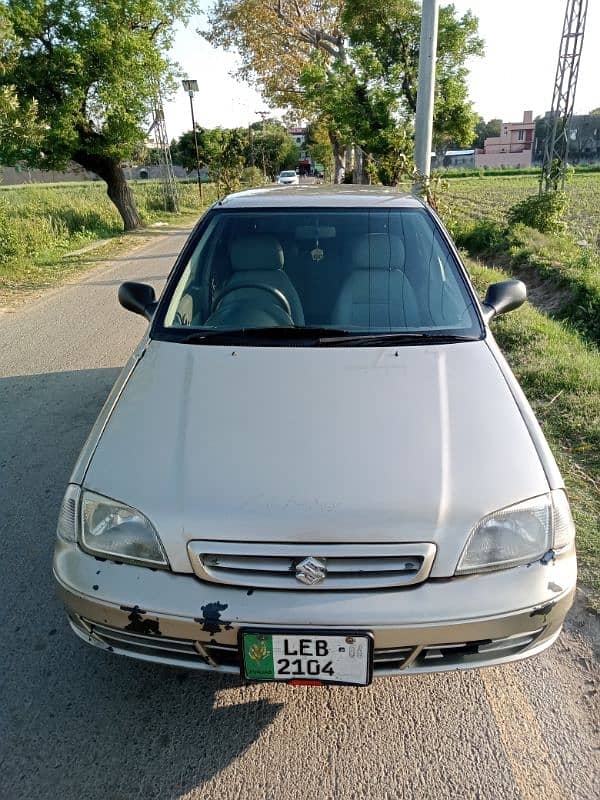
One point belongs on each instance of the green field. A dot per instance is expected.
(41, 223)
(476, 197)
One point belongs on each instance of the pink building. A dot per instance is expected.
(513, 148)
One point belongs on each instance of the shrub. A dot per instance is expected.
(253, 176)
(484, 236)
(544, 212)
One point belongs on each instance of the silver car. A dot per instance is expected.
(317, 466)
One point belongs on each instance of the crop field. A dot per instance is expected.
(476, 197)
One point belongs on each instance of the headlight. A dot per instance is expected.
(518, 534)
(113, 530)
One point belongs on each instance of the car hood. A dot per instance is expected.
(409, 444)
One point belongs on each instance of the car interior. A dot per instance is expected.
(354, 270)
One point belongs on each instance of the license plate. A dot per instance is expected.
(310, 657)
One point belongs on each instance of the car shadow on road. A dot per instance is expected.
(79, 722)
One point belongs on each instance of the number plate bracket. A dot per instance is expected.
(257, 657)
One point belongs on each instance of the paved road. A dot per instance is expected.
(78, 723)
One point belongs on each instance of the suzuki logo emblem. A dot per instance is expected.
(311, 571)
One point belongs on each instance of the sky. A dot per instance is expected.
(516, 73)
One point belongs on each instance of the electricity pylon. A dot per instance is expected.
(556, 147)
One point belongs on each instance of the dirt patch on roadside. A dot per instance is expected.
(584, 621)
(543, 293)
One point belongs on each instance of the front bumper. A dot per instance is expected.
(178, 620)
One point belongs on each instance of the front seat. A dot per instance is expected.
(258, 259)
(377, 293)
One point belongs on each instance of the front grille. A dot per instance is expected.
(226, 657)
(348, 567)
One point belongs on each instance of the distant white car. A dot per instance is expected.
(288, 178)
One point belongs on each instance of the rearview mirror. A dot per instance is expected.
(503, 297)
(138, 297)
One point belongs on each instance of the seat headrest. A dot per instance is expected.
(254, 252)
(378, 251)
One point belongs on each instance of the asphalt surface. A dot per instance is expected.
(78, 723)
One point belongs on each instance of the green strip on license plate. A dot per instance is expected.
(258, 656)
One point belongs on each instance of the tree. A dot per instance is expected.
(20, 132)
(352, 64)
(273, 149)
(183, 150)
(275, 40)
(595, 112)
(483, 130)
(225, 155)
(84, 74)
(319, 148)
(390, 31)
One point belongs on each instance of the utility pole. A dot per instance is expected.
(190, 87)
(263, 115)
(426, 88)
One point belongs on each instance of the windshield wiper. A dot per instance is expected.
(376, 339)
(319, 336)
(274, 332)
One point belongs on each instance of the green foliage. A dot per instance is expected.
(225, 156)
(222, 150)
(94, 69)
(351, 65)
(273, 149)
(319, 147)
(484, 130)
(183, 150)
(252, 176)
(226, 152)
(389, 32)
(83, 77)
(482, 237)
(544, 212)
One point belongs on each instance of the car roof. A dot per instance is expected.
(310, 196)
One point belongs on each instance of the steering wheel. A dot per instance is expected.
(277, 293)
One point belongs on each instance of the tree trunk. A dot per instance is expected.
(349, 161)
(338, 157)
(359, 176)
(117, 187)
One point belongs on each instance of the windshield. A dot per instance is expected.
(287, 174)
(350, 270)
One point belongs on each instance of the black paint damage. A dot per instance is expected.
(147, 627)
(211, 618)
(548, 557)
(542, 611)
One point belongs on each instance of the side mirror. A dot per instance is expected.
(503, 297)
(138, 297)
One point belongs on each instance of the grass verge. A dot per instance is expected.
(563, 277)
(560, 374)
(41, 224)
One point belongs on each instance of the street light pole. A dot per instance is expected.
(190, 87)
(426, 87)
